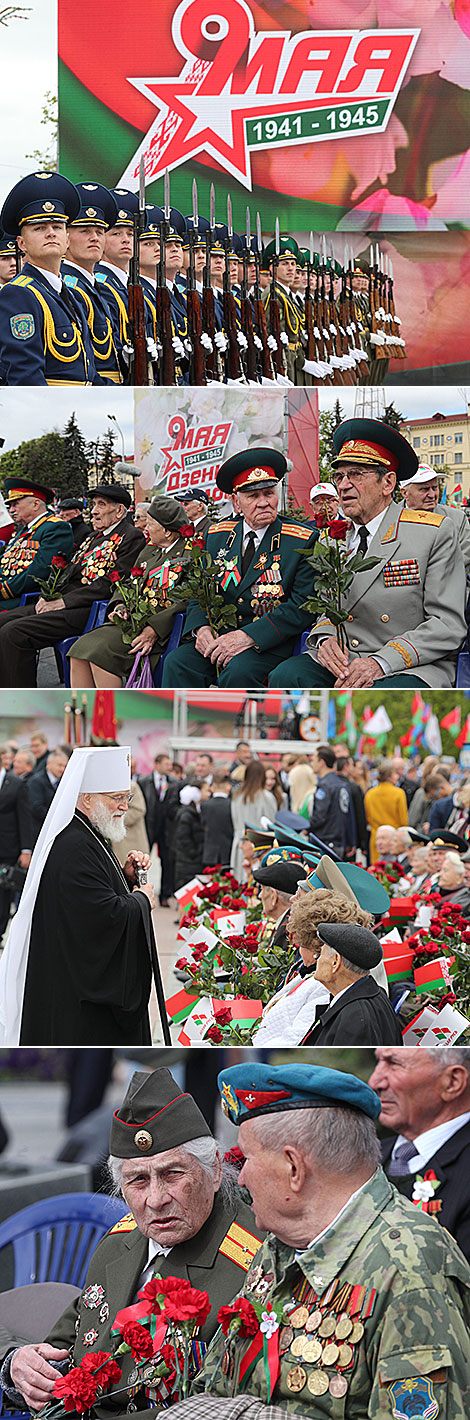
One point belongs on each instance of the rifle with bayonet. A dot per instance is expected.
(140, 369)
(208, 299)
(398, 350)
(261, 329)
(233, 365)
(339, 309)
(250, 356)
(275, 312)
(164, 316)
(197, 362)
(378, 344)
(311, 347)
(352, 326)
(325, 318)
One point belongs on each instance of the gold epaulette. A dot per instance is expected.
(240, 1246)
(125, 1224)
(222, 527)
(21, 280)
(410, 516)
(296, 530)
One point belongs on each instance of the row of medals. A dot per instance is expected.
(324, 1340)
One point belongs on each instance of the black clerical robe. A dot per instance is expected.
(89, 975)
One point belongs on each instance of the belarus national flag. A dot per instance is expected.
(187, 893)
(433, 975)
(181, 1005)
(464, 737)
(451, 721)
(399, 967)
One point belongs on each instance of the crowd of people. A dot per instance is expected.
(215, 305)
(315, 1267)
(250, 599)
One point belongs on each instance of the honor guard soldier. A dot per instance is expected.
(8, 259)
(44, 336)
(362, 1302)
(262, 572)
(203, 1232)
(290, 316)
(406, 617)
(113, 270)
(150, 249)
(41, 536)
(87, 233)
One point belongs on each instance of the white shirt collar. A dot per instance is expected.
(258, 532)
(122, 276)
(87, 274)
(372, 528)
(2, 776)
(431, 1140)
(50, 276)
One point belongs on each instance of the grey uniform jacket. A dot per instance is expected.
(459, 518)
(410, 607)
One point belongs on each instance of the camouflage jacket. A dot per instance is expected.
(374, 1318)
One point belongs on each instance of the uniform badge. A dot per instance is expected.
(104, 1312)
(48, 206)
(22, 327)
(91, 211)
(90, 1337)
(413, 1398)
(94, 1296)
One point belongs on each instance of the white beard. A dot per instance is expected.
(111, 827)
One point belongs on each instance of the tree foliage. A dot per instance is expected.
(63, 461)
(46, 159)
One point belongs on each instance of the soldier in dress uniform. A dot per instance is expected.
(113, 544)
(44, 336)
(406, 613)
(41, 536)
(362, 1303)
(87, 235)
(112, 272)
(262, 573)
(7, 258)
(291, 322)
(183, 1223)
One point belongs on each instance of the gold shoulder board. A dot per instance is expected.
(240, 1245)
(125, 1224)
(410, 516)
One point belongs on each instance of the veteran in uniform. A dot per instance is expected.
(44, 336)
(181, 1224)
(291, 316)
(112, 545)
(406, 617)
(41, 536)
(101, 657)
(262, 573)
(363, 1303)
(422, 493)
(87, 234)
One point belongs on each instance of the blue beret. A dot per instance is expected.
(250, 1090)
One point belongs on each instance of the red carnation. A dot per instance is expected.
(77, 1390)
(235, 1157)
(115, 576)
(240, 1317)
(167, 1354)
(102, 1363)
(338, 529)
(138, 1339)
(214, 1034)
(59, 560)
(183, 1302)
(137, 571)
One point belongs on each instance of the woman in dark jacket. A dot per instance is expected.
(189, 836)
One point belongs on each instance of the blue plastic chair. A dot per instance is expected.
(463, 671)
(96, 618)
(175, 638)
(53, 1240)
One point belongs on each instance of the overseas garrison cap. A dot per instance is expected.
(354, 882)
(127, 206)
(254, 468)
(114, 492)
(287, 247)
(370, 441)
(355, 943)
(250, 1090)
(278, 872)
(168, 512)
(155, 1115)
(444, 838)
(19, 487)
(98, 206)
(40, 197)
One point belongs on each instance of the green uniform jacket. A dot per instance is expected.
(215, 1261)
(409, 608)
(415, 1315)
(292, 328)
(105, 647)
(269, 611)
(28, 555)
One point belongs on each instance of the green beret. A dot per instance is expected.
(155, 1115)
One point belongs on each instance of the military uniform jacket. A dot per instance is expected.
(406, 1288)
(28, 556)
(100, 554)
(269, 597)
(42, 341)
(459, 518)
(291, 327)
(98, 317)
(114, 292)
(450, 1203)
(409, 608)
(215, 1260)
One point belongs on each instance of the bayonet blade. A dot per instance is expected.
(311, 248)
(166, 195)
(248, 228)
(258, 234)
(195, 207)
(212, 208)
(278, 238)
(229, 217)
(141, 185)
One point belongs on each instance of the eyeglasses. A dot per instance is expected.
(119, 798)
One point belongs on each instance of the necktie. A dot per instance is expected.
(399, 1165)
(68, 302)
(249, 552)
(363, 539)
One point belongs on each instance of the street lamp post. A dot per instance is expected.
(113, 417)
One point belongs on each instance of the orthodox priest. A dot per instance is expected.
(77, 966)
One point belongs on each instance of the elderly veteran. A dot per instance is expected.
(422, 492)
(364, 1302)
(76, 969)
(406, 617)
(102, 657)
(259, 556)
(40, 536)
(451, 883)
(360, 1012)
(184, 1221)
(278, 875)
(112, 546)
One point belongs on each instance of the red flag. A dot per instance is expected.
(451, 721)
(104, 723)
(464, 737)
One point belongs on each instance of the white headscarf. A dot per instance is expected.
(89, 771)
